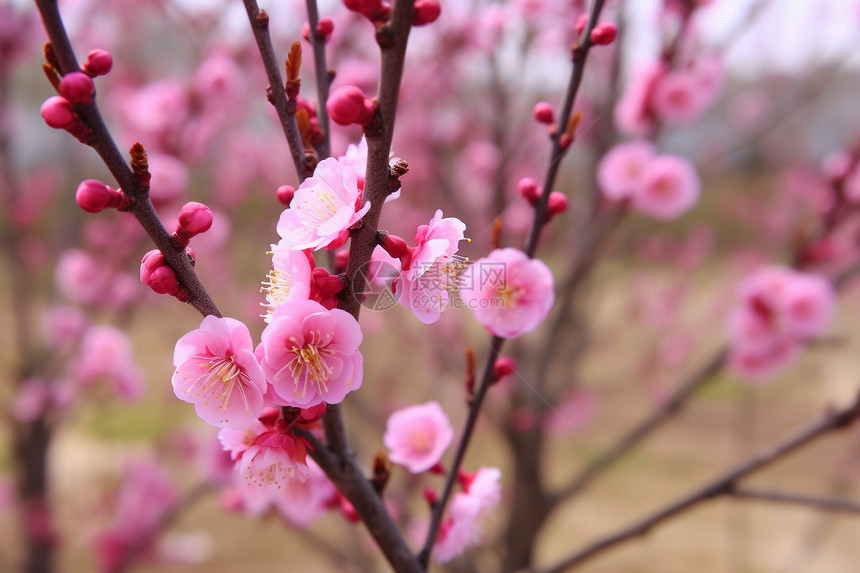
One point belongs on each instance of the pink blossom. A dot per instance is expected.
(417, 436)
(778, 309)
(106, 352)
(430, 270)
(303, 502)
(289, 279)
(509, 293)
(678, 98)
(464, 528)
(310, 354)
(274, 459)
(79, 277)
(63, 324)
(323, 208)
(632, 113)
(217, 372)
(237, 441)
(620, 172)
(670, 188)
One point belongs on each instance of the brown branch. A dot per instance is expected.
(323, 79)
(558, 151)
(102, 142)
(278, 96)
(722, 485)
(827, 503)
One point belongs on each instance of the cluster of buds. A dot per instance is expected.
(530, 191)
(194, 218)
(378, 11)
(76, 88)
(315, 134)
(348, 105)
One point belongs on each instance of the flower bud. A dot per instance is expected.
(362, 6)
(503, 366)
(604, 33)
(348, 104)
(93, 196)
(78, 88)
(426, 12)
(57, 112)
(195, 218)
(556, 204)
(325, 27)
(529, 189)
(285, 194)
(163, 281)
(543, 113)
(99, 62)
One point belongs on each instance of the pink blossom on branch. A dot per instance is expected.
(509, 293)
(323, 209)
(310, 355)
(670, 187)
(469, 509)
(216, 370)
(417, 436)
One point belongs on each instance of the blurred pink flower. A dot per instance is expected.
(620, 171)
(310, 355)
(216, 370)
(106, 351)
(678, 98)
(417, 436)
(303, 502)
(509, 293)
(323, 208)
(464, 528)
(778, 309)
(670, 188)
(273, 460)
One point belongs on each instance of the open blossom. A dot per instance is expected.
(509, 293)
(679, 97)
(464, 528)
(274, 459)
(216, 370)
(323, 208)
(670, 187)
(619, 172)
(778, 309)
(310, 354)
(303, 502)
(289, 279)
(430, 270)
(417, 436)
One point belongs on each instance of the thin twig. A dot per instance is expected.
(580, 55)
(260, 26)
(323, 79)
(105, 146)
(722, 485)
(828, 503)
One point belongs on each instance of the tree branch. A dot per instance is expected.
(323, 79)
(828, 503)
(104, 145)
(278, 96)
(722, 485)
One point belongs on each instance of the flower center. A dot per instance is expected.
(277, 287)
(309, 364)
(509, 295)
(221, 378)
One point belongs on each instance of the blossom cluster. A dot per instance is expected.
(778, 310)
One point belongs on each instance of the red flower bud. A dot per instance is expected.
(99, 62)
(362, 6)
(504, 366)
(285, 194)
(348, 104)
(195, 218)
(426, 12)
(325, 27)
(529, 189)
(93, 196)
(57, 112)
(543, 113)
(604, 33)
(556, 204)
(581, 22)
(77, 87)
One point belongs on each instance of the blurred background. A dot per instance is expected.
(126, 477)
